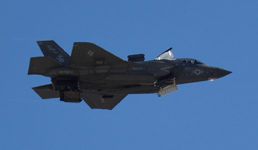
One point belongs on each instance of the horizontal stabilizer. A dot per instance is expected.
(46, 91)
(103, 101)
(38, 65)
(89, 54)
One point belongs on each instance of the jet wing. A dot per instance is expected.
(88, 54)
(103, 101)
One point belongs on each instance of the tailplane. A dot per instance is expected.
(53, 50)
(39, 65)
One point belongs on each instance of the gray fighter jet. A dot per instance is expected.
(102, 79)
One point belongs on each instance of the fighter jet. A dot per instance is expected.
(102, 79)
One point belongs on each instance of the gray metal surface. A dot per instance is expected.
(102, 79)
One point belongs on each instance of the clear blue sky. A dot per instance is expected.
(219, 115)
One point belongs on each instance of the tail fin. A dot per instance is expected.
(53, 50)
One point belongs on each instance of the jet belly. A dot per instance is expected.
(119, 83)
(121, 78)
(130, 78)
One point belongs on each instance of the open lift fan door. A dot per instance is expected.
(168, 55)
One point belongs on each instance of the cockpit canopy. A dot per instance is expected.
(190, 61)
(168, 56)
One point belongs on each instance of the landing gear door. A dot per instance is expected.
(168, 55)
(164, 90)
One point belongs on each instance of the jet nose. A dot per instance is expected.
(222, 72)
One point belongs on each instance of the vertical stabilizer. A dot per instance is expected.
(53, 50)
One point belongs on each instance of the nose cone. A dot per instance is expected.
(223, 72)
(218, 73)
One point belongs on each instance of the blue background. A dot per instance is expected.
(207, 115)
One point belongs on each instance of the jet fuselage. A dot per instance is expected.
(102, 79)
